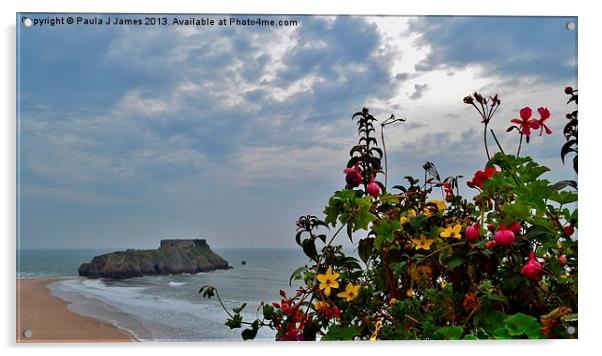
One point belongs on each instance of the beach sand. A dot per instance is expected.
(49, 319)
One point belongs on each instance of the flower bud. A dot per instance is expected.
(569, 230)
(562, 260)
(503, 237)
(568, 90)
(515, 228)
(490, 244)
(353, 177)
(532, 269)
(468, 100)
(472, 233)
(372, 188)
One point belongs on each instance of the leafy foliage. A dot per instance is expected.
(425, 276)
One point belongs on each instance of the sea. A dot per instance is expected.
(169, 307)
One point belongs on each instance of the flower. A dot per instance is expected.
(568, 90)
(423, 243)
(569, 230)
(353, 177)
(472, 233)
(350, 292)
(481, 176)
(503, 237)
(453, 232)
(532, 269)
(328, 281)
(562, 260)
(515, 228)
(377, 327)
(525, 123)
(490, 244)
(372, 188)
(405, 218)
(326, 310)
(544, 114)
(439, 203)
(410, 293)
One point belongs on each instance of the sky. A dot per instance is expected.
(131, 134)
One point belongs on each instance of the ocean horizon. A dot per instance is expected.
(168, 307)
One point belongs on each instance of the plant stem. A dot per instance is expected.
(497, 142)
(485, 142)
(382, 137)
(520, 143)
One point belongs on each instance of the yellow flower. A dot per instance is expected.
(423, 243)
(453, 232)
(377, 327)
(440, 204)
(328, 281)
(350, 293)
(410, 293)
(406, 216)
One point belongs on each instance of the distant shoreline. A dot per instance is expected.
(50, 320)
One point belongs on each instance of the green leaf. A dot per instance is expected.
(521, 324)
(384, 231)
(297, 274)
(365, 248)
(249, 334)
(239, 309)
(490, 321)
(455, 261)
(234, 322)
(449, 333)
(268, 311)
(340, 333)
(309, 248)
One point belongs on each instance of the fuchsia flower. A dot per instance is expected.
(532, 269)
(472, 233)
(515, 228)
(525, 123)
(503, 237)
(544, 114)
(353, 177)
(569, 230)
(372, 188)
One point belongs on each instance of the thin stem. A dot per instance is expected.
(485, 142)
(497, 142)
(520, 143)
(382, 137)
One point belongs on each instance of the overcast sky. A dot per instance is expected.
(133, 134)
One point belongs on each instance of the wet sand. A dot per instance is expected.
(49, 319)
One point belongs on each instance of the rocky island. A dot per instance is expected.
(173, 256)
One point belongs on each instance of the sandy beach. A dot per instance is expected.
(49, 319)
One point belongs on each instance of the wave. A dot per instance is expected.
(176, 284)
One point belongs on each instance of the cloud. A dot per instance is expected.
(419, 90)
(234, 132)
(508, 46)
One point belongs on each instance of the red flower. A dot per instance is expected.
(532, 269)
(372, 188)
(481, 176)
(353, 177)
(503, 237)
(525, 123)
(472, 232)
(515, 228)
(569, 230)
(544, 114)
